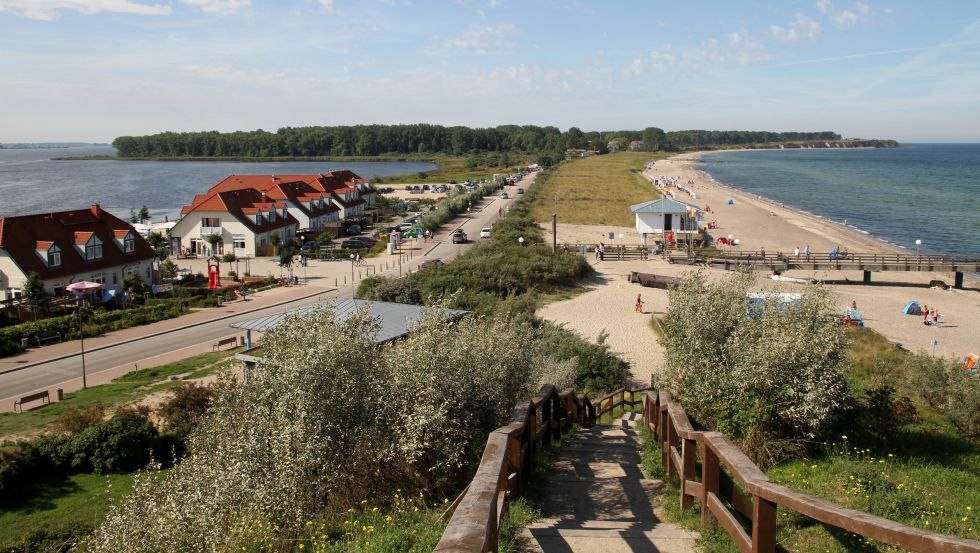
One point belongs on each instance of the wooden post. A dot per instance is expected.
(763, 526)
(689, 450)
(662, 436)
(710, 482)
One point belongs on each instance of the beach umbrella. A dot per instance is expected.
(82, 287)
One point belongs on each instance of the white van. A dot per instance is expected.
(485, 232)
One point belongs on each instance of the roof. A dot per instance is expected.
(663, 205)
(395, 318)
(21, 236)
(239, 203)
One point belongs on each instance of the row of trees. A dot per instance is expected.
(373, 140)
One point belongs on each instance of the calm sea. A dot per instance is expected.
(929, 192)
(32, 182)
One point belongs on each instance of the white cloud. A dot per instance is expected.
(478, 38)
(48, 10)
(217, 6)
(845, 17)
(733, 49)
(327, 6)
(825, 6)
(802, 27)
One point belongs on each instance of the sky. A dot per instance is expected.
(92, 70)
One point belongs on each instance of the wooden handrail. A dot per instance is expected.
(670, 425)
(507, 460)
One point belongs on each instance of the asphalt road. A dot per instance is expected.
(52, 373)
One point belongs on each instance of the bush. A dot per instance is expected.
(947, 388)
(184, 409)
(74, 419)
(769, 379)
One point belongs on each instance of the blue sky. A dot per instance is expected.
(92, 70)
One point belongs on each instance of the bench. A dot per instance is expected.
(46, 337)
(232, 340)
(19, 404)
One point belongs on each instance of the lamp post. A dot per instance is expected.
(81, 334)
(520, 240)
(917, 244)
(352, 288)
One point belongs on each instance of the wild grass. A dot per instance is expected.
(57, 510)
(124, 389)
(595, 190)
(458, 168)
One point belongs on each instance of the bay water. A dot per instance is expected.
(929, 192)
(32, 182)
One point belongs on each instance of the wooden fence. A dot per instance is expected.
(750, 517)
(510, 456)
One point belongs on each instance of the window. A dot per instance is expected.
(272, 216)
(238, 241)
(93, 250)
(210, 222)
(54, 256)
(115, 278)
(129, 244)
(98, 277)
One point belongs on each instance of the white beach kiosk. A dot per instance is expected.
(666, 216)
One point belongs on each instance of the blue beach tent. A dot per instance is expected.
(912, 308)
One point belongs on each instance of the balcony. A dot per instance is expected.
(208, 231)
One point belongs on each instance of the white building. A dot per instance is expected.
(665, 216)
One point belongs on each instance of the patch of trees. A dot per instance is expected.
(376, 140)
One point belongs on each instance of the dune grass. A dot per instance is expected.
(595, 190)
(124, 389)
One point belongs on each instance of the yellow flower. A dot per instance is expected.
(843, 437)
(374, 510)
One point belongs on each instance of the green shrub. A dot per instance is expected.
(120, 444)
(51, 537)
(769, 379)
(74, 419)
(947, 388)
(185, 407)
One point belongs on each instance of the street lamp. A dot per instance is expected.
(81, 333)
(352, 289)
(917, 244)
(520, 240)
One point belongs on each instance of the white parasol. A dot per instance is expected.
(82, 287)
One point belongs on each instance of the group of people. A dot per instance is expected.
(600, 251)
(806, 251)
(930, 316)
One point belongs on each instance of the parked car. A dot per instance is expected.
(353, 230)
(430, 263)
(520, 190)
(311, 245)
(485, 232)
(459, 237)
(503, 195)
(425, 187)
(354, 244)
(369, 240)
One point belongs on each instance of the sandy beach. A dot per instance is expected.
(761, 224)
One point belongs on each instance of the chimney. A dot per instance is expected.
(96, 210)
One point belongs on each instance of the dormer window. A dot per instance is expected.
(272, 215)
(54, 256)
(93, 249)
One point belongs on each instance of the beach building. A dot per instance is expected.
(247, 211)
(665, 217)
(395, 319)
(71, 246)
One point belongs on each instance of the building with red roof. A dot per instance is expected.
(71, 246)
(246, 211)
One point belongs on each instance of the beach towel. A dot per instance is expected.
(912, 308)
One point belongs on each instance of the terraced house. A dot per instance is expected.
(250, 213)
(71, 246)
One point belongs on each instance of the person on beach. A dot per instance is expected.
(935, 316)
(925, 314)
(597, 252)
(854, 305)
(796, 252)
(806, 251)
(639, 303)
(602, 251)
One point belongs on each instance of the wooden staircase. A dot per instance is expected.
(599, 501)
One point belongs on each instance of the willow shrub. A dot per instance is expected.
(328, 420)
(770, 378)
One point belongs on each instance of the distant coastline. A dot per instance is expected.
(262, 159)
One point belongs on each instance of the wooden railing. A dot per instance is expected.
(510, 457)
(723, 465)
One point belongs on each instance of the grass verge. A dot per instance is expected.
(458, 168)
(58, 510)
(595, 190)
(124, 389)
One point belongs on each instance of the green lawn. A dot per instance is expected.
(595, 190)
(456, 168)
(58, 508)
(122, 390)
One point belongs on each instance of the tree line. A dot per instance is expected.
(375, 140)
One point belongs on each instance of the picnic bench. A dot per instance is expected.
(232, 340)
(19, 404)
(45, 337)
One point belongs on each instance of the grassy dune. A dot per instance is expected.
(595, 190)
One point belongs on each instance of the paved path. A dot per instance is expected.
(599, 501)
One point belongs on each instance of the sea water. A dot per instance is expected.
(32, 182)
(927, 192)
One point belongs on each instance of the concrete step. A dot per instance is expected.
(623, 499)
(665, 540)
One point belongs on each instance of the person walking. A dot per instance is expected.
(806, 252)
(796, 252)
(639, 303)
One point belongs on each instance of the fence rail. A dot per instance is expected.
(510, 456)
(723, 465)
